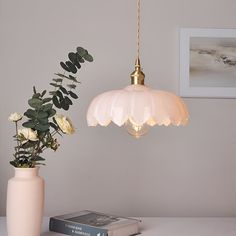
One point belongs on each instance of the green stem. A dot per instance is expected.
(54, 132)
(18, 143)
(36, 149)
(44, 149)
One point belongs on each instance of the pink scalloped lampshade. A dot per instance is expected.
(139, 104)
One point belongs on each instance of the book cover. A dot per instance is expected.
(90, 223)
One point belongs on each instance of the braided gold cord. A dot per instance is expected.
(138, 29)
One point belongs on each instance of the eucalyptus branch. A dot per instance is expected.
(43, 122)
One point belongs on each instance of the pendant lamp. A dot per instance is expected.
(137, 107)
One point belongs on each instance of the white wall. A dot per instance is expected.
(170, 172)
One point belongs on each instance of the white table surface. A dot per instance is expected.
(167, 226)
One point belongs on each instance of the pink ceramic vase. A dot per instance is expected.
(25, 201)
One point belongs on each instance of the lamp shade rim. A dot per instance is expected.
(140, 104)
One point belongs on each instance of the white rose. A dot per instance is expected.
(65, 124)
(15, 117)
(28, 134)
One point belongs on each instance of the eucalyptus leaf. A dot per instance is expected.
(64, 90)
(71, 66)
(43, 121)
(77, 64)
(29, 124)
(64, 66)
(73, 95)
(72, 56)
(29, 144)
(79, 58)
(42, 114)
(34, 89)
(65, 105)
(58, 80)
(52, 93)
(73, 79)
(71, 86)
(39, 158)
(51, 113)
(54, 120)
(54, 126)
(42, 135)
(43, 93)
(36, 95)
(55, 85)
(35, 102)
(23, 159)
(40, 164)
(56, 102)
(42, 127)
(88, 57)
(68, 101)
(47, 107)
(60, 95)
(13, 163)
(30, 113)
(45, 100)
(22, 152)
(81, 51)
(61, 75)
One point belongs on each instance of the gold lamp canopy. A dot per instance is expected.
(137, 76)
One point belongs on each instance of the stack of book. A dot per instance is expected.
(90, 223)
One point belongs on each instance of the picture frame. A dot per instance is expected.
(207, 63)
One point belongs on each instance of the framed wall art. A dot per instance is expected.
(208, 63)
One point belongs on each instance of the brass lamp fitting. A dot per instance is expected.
(137, 76)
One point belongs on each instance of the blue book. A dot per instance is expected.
(90, 223)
